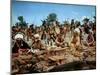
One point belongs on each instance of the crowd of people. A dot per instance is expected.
(73, 35)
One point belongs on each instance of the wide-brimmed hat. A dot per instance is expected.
(19, 35)
(77, 30)
(37, 36)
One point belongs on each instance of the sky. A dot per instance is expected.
(34, 12)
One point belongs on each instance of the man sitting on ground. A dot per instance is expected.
(60, 41)
(37, 44)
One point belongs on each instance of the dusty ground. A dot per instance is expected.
(39, 62)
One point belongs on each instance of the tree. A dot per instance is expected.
(51, 18)
(22, 23)
(21, 19)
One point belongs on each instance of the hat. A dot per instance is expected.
(36, 36)
(77, 30)
(18, 36)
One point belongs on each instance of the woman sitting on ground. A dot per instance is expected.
(75, 40)
(90, 39)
